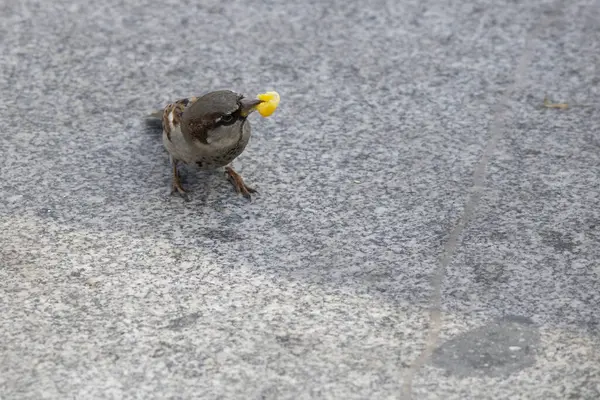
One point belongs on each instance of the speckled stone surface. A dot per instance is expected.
(425, 228)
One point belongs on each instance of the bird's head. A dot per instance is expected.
(218, 115)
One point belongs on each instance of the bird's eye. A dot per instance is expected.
(227, 118)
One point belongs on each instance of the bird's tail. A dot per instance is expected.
(155, 114)
(153, 120)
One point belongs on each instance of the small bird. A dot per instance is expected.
(210, 131)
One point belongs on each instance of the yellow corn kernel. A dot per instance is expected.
(269, 104)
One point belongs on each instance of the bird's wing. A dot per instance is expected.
(158, 114)
(171, 114)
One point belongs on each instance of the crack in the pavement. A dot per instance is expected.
(435, 314)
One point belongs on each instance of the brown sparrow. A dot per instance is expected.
(210, 131)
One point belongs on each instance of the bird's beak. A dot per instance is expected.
(249, 105)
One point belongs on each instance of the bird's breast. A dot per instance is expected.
(219, 150)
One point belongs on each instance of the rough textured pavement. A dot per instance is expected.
(425, 227)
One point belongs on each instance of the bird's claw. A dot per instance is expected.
(176, 184)
(238, 183)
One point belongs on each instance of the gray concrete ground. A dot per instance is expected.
(425, 227)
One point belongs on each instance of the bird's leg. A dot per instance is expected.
(176, 184)
(238, 183)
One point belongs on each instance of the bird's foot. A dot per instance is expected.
(238, 183)
(176, 184)
(176, 187)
